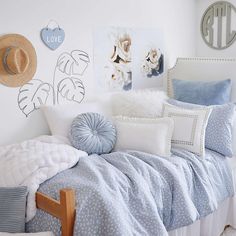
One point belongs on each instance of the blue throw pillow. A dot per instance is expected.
(219, 131)
(13, 209)
(202, 93)
(92, 133)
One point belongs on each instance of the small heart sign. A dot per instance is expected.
(52, 38)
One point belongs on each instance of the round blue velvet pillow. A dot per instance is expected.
(92, 133)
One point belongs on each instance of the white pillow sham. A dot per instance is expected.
(145, 103)
(189, 127)
(60, 117)
(146, 135)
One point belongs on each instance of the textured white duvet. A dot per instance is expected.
(32, 162)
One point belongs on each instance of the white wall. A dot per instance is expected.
(202, 50)
(78, 18)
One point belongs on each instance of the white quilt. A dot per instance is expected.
(32, 162)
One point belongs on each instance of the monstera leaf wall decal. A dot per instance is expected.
(74, 63)
(71, 89)
(32, 95)
(64, 63)
(67, 84)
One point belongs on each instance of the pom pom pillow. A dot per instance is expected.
(92, 133)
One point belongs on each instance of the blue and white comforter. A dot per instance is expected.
(134, 193)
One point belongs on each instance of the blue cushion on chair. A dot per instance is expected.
(92, 133)
(201, 92)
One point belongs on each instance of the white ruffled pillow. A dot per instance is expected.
(140, 103)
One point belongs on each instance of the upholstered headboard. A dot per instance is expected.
(204, 69)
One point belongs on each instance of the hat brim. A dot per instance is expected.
(16, 40)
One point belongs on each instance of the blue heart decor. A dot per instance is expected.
(52, 38)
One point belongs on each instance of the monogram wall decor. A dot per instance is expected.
(216, 25)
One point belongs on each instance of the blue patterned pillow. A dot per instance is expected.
(202, 93)
(92, 133)
(219, 131)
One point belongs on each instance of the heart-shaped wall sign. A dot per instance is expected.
(52, 38)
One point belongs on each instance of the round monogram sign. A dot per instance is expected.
(216, 25)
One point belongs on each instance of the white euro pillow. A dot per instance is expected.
(189, 127)
(145, 103)
(146, 135)
(60, 117)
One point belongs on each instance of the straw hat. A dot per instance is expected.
(18, 60)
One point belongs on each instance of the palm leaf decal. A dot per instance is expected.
(66, 85)
(81, 62)
(72, 89)
(32, 95)
(65, 62)
(74, 63)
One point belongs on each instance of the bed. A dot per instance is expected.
(68, 207)
(97, 191)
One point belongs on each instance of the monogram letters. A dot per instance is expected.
(216, 25)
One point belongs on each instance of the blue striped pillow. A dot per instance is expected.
(12, 209)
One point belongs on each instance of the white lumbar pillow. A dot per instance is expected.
(60, 117)
(146, 135)
(189, 127)
(145, 103)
